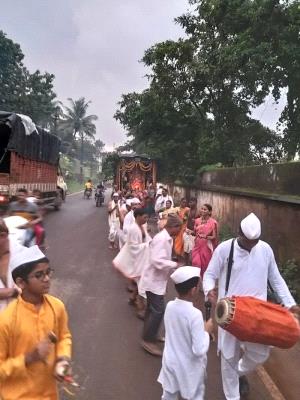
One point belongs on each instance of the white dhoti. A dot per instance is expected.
(199, 395)
(121, 237)
(253, 354)
(114, 225)
(188, 241)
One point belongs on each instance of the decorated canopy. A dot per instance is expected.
(135, 172)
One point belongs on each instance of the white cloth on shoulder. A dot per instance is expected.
(134, 255)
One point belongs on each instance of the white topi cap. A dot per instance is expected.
(251, 227)
(116, 194)
(135, 200)
(183, 274)
(25, 256)
(128, 202)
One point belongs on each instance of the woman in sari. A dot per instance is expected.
(183, 213)
(206, 230)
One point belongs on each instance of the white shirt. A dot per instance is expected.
(161, 202)
(134, 255)
(249, 277)
(184, 358)
(155, 276)
(14, 247)
(129, 220)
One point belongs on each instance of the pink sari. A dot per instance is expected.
(204, 248)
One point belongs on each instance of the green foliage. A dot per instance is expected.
(79, 126)
(202, 89)
(225, 233)
(109, 165)
(290, 272)
(20, 91)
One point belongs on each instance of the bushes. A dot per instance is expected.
(290, 272)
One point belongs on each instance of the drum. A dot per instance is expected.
(257, 321)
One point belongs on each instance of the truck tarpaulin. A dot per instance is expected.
(38, 145)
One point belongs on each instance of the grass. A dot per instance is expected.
(74, 186)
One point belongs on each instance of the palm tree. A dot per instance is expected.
(80, 124)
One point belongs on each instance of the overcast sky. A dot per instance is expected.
(93, 48)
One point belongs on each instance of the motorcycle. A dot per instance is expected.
(87, 194)
(99, 197)
(26, 237)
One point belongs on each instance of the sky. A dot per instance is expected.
(93, 48)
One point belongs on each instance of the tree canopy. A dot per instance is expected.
(21, 91)
(203, 88)
(33, 94)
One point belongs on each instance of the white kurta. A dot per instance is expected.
(113, 222)
(134, 255)
(249, 277)
(184, 358)
(129, 220)
(161, 202)
(156, 275)
(14, 247)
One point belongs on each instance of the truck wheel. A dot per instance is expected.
(58, 201)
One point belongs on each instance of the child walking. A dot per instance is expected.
(187, 341)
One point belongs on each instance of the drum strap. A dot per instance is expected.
(229, 266)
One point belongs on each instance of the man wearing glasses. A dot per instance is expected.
(35, 341)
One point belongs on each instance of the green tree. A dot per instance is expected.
(202, 89)
(79, 123)
(21, 91)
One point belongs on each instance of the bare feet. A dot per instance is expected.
(152, 348)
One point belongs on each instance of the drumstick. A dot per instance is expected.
(207, 306)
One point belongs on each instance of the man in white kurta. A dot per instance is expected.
(154, 281)
(134, 255)
(253, 265)
(161, 200)
(129, 219)
(184, 360)
(113, 219)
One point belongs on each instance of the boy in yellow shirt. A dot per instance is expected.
(35, 341)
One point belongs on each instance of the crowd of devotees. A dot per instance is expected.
(155, 243)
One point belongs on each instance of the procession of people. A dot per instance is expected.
(155, 245)
(181, 244)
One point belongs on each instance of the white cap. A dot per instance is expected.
(135, 200)
(128, 202)
(116, 194)
(26, 255)
(251, 227)
(183, 274)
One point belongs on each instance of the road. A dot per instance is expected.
(106, 333)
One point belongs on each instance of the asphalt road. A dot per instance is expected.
(106, 333)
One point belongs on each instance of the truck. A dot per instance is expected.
(29, 158)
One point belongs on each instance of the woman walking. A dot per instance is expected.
(206, 230)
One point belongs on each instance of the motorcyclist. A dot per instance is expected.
(88, 186)
(28, 210)
(99, 191)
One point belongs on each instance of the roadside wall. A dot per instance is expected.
(271, 192)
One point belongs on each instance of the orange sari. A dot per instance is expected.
(183, 214)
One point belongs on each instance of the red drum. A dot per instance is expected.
(257, 321)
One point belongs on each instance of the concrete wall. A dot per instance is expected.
(280, 219)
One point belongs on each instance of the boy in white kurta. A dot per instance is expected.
(187, 341)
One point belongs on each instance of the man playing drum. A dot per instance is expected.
(252, 267)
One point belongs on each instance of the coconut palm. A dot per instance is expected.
(81, 125)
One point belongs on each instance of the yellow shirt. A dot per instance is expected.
(89, 185)
(22, 326)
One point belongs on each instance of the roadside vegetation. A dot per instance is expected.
(33, 94)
